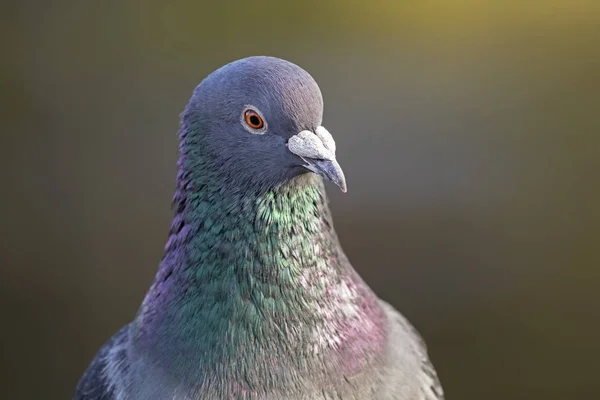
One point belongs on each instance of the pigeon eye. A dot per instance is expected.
(254, 120)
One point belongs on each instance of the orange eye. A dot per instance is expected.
(253, 119)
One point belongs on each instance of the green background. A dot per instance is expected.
(469, 132)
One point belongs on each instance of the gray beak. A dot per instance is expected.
(318, 152)
(328, 169)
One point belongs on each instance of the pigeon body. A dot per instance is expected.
(254, 298)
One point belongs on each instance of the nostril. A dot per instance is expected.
(326, 138)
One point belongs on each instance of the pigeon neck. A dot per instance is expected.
(260, 278)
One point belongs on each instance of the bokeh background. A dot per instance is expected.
(469, 132)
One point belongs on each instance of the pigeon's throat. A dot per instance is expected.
(266, 270)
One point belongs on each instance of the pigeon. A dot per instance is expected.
(254, 298)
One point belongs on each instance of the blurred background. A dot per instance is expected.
(469, 132)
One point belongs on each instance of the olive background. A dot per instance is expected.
(469, 132)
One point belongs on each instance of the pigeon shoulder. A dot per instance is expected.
(98, 381)
(409, 373)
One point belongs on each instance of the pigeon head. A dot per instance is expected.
(256, 123)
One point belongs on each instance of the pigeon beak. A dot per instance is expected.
(328, 169)
(317, 150)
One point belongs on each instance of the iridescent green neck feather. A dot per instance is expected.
(254, 286)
